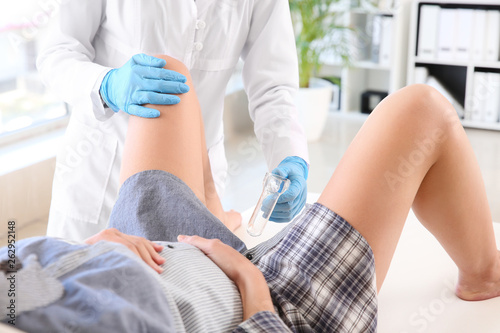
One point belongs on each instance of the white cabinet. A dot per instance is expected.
(366, 72)
(456, 45)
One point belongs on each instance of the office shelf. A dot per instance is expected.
(457, 76)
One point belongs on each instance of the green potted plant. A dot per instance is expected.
(318, 29)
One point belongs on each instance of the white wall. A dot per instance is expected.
(25, 196)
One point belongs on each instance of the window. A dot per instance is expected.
(25, 104)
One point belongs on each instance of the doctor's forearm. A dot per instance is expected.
(69, 79)
(67, 60)
(271, 85)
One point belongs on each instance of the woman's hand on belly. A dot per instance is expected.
(248, 278)
(145, 249)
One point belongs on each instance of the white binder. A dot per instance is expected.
(427, 31)
(492, 35)
(463, 34)
(376, 37)
(480, 95)
(479, 35)
(492, 103)
(446, 37)
(386, 41)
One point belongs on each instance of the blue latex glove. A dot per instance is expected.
(142, 80)
(291, 202)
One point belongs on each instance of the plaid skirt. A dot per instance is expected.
(321, 274)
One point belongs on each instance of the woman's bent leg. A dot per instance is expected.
(171, 142)
(413, 151)
(232, 219)
(175, 143)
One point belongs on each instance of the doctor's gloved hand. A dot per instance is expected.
(142, 80)
(291, 202)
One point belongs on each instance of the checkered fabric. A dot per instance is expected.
(321, 275)
(263, 321)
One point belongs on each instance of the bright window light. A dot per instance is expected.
(24, 100)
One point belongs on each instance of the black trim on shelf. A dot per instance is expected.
(486, 69)
(461, 5)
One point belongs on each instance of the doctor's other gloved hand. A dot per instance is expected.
(142, 80)
(291, 202)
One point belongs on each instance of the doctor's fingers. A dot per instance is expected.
(285, 217)
(150, 97)
(285, 212)
(159, 74)
(290, 202)
(297, 186)
(142, 111)
(162, 86)
(147, 60)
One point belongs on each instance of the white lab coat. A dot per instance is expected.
(89, 38)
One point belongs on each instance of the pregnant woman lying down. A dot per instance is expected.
(321, 273)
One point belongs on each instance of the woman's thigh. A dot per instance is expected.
(172, 142)
(376, 182)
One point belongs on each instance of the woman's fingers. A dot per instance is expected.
(156, 246)
(213, 248)
(230, 261)
(147, 253)
(131, 246)
(145, 249)
(202, 243)
(153, 249)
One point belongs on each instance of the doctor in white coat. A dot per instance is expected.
(98, 59)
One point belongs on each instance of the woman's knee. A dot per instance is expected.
(431, 104)
(421, 115)
(422, 106)
(174, 64)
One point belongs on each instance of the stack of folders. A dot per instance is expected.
(458, 34)
(382, 35)
(484, 104)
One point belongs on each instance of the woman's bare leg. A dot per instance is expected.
(174, 142)
(232, 219)
(413, 151)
